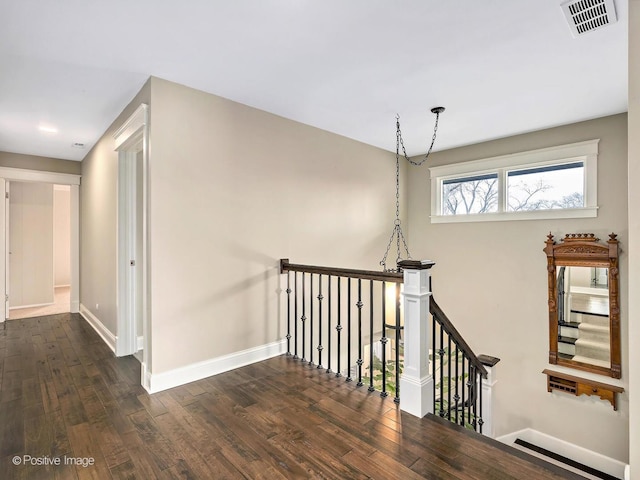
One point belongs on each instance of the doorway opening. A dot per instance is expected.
(31, 178)
(131, 143)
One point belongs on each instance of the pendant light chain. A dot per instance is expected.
(397, 229)
(437, 111)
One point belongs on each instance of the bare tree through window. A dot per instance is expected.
(470, 195)
(539, 188)
(546, 188)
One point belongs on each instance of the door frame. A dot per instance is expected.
(131, 139)
(10, 174)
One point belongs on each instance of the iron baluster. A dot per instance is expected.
(303, 318)
(397, 302)
(371, 388)
(295, 315)
(479, 413)
(320, 298)
(288, 313)
(441, 354)
(463, 391)
(384, 340)
(456, 396)
(348, 379)
(433, 360)
(329, 324)
(472, 400)
(311, 320)
(449, 377)
(359, 304)
(339, 326)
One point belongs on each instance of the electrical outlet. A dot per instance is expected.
(97, 306)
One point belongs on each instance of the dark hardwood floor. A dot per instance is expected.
(65, 396)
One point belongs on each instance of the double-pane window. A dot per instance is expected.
(557, 182)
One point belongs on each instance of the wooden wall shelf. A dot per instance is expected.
(578, 386)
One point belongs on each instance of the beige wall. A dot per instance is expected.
(46, 164)
(491, 279)
(634, 237)
(98, 216)
(234, 189)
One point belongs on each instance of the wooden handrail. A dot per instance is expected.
(395, 277)
(448, 327)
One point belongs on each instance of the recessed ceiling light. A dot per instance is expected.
(46, 129)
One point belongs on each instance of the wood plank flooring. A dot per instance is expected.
(64, 395)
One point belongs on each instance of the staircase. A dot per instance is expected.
(585, 338)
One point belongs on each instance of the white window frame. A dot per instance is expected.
(586, 152)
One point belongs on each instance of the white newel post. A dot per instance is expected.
(488, 400)
(416, 383)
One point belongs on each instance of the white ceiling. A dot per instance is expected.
(500, 67)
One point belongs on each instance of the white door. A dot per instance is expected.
(31, 245)
(126, 343)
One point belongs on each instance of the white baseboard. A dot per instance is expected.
(140, 344)
(74, 306)
(146, 377)
(197, 371)
(35, 305)
(574, 452)
(108, 337)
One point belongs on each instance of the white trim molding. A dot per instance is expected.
(35, 305)
(25, 175)
(131, 131)
(586, 152)
(109, 338)
(197, 371)
(579, 454)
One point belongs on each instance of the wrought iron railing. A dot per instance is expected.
(350, 323)
(350, 314)
(457, 373)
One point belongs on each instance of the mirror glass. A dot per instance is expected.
(584, 305)
(583, 315)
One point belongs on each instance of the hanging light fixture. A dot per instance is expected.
(397, 228)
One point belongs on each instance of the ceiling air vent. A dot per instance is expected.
(588, 15)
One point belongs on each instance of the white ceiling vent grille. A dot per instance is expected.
(588, 15)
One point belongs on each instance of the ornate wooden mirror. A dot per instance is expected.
(584, 307)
